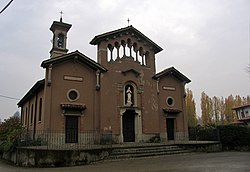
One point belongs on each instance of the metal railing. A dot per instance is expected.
(99, 139)
(53, 139)
(195, 135)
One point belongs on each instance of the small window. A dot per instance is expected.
(40, 110)
(31, 115)
(170, 101)
(242, 115)
(26, 116)
(73, 95)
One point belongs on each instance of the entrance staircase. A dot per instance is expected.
(145, 150)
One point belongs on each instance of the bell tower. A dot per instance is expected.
(59, 41)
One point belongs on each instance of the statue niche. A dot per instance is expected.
(129, 95)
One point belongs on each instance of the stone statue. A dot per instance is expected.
(129, 97)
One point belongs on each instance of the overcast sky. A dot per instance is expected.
(207, 40)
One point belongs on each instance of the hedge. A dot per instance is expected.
(232, 137)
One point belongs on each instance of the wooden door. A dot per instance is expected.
(71, 129)
(128, 123)
(170, 128)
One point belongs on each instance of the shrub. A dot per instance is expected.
(209, 133)
(232, 136)
(155, 139)
(106, 139)
(10, 131)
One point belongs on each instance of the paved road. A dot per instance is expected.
(200, 162)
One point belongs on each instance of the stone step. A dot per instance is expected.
(145, 149)
(135, 152)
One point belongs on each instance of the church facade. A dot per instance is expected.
(121, 92)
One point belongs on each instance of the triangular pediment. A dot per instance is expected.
(173, 72)
(135, 72)
(76, 55)
(126, 31)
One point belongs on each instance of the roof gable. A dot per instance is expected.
(241, 106)
(76, 55)
(127, 30)
(174, 72)
(36, 87)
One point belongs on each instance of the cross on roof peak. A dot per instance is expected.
(61, 12)
(128, 21)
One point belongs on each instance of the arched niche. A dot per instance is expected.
(130, 94)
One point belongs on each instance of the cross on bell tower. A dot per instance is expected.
(61, 16)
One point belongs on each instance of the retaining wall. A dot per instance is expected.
(53, 158)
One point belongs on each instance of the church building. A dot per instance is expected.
(120, 92)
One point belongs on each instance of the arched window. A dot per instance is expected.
(60, 40)
(26, 116)
(40, 110)
(31, 114)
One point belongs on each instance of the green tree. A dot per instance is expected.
(190, 109)
(10, 130)
(238, 101)
(222, 111)
(230, 115)
(206, 109)
(246, 100)
(216, 110)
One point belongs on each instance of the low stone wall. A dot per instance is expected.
(44, 157)
(203, 146)
(53, 158)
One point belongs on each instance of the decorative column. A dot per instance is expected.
(139, 138)
(49, 75)
(97, 80)
(136, 56)
(111, 48)
(124, 48)
(117, 46)
(157, 86)
(121, 126)
(130, 49)
(142, 58)
(141, 53)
